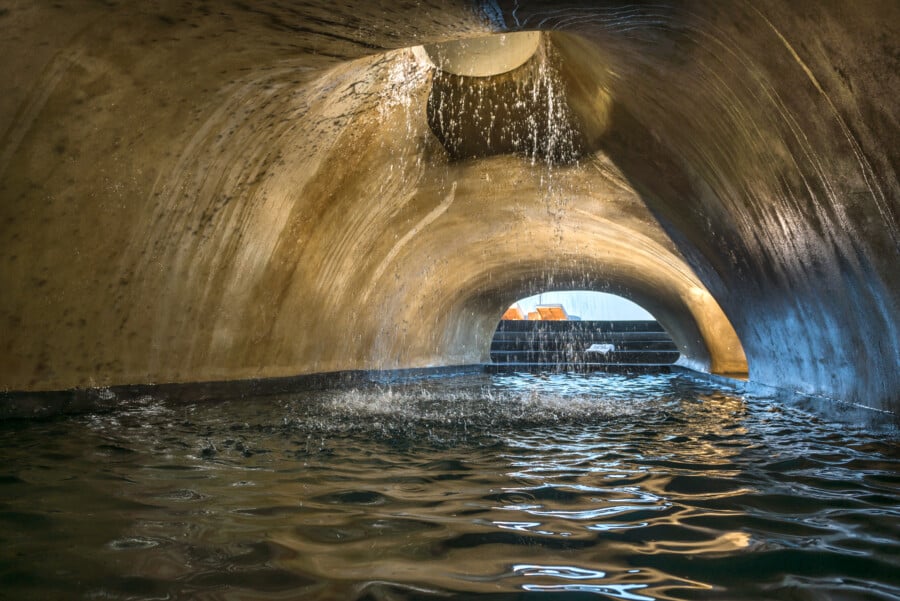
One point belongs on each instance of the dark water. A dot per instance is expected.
(496, 487)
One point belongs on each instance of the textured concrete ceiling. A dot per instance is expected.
(195, 191)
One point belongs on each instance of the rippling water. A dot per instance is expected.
(497, 487)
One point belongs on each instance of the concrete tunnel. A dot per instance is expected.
(200, 191)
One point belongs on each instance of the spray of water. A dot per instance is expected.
(481, 410)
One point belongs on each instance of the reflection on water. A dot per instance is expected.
(506, 486)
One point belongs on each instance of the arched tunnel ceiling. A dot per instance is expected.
(197, 191)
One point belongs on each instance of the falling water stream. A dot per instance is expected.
(497, 487)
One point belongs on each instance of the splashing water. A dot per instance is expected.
(455, 414)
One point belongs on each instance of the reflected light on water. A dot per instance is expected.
(614, 486)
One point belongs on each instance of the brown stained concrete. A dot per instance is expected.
(253, 190)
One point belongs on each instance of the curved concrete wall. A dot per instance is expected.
(259, 191)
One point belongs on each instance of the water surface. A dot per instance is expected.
(494, 487)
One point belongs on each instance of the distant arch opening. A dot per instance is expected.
(583, 305)
(580, 330)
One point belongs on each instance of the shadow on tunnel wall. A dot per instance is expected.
(800, 258)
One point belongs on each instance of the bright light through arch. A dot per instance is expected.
(588, 305)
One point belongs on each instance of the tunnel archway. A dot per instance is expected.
(170, 220)
(496, 259)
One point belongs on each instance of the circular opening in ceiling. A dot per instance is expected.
(484, 56)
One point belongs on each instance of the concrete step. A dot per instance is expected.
(566, 343)
(578, 367)
(562, 344)
(631, 357)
